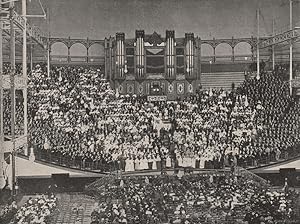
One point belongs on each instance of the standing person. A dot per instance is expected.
(52, 189)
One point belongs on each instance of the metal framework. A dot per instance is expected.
(15, 33)
(286, 36)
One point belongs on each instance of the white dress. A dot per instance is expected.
(202, 163)
(180, 162)
(129, 166)
(193, 161)
(144, 164)
(168, 162)
(137, 164)
(185, 162)
(154, 166)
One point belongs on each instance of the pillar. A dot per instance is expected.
(48, 59)
(2, 178)
(87, 55)
(214, 51)
(291, 49)
(199, 58)
(105, 60)
(31, 55)
(13, 100)
(87, 50)
(120, 38)
(189, 48)
(69, 58)
(24, 67)
(170, 53)
(140, 52)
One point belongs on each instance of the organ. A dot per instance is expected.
(148, 60)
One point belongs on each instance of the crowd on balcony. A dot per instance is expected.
(281, 135)
(75, 114)
(190, 199)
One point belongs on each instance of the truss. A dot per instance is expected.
(286, 36)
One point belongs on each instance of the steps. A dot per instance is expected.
(223, 80)
(66, 213)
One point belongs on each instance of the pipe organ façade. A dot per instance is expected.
(153, 65)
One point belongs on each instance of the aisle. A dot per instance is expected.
(66, 213)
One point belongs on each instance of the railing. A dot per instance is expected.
(270, 158)
(243, 172)
(33, 31)
(77, 59)
(77, 163)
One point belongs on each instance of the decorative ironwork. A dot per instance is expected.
(154, 39)
(171, 78)
(140, 79)
(279, 38)
(190, 78)
(32, 31)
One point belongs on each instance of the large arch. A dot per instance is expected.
(207, 50)
(242, 48)
(78, 49)
(96, 50)
(223, 49)
(59, 48)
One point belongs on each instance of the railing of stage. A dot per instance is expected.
(98, 165)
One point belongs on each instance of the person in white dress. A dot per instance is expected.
(193, 162)
(144, 164)
(158, 159)
(137, 164)
(154, 164)
(168, 162)
(202, 162)
(129, 166)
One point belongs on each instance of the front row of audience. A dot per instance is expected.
(190, 199)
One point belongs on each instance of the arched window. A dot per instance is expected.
(207, 52)
(96, 50)
(59, 48)
(223, 52)
(242, 48)
(242, 52)
(78, 49)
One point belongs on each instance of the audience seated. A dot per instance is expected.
(7, 212)
(190, 199)
(36, 210)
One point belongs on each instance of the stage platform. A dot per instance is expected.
(275, 168)
(37, 169)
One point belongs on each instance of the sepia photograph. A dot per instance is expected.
(149, 111)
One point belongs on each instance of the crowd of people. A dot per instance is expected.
(190, 199)
(281, 133)
(7, 212)
(74, 115)
(36, 210)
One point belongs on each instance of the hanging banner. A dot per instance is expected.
(156, 98)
